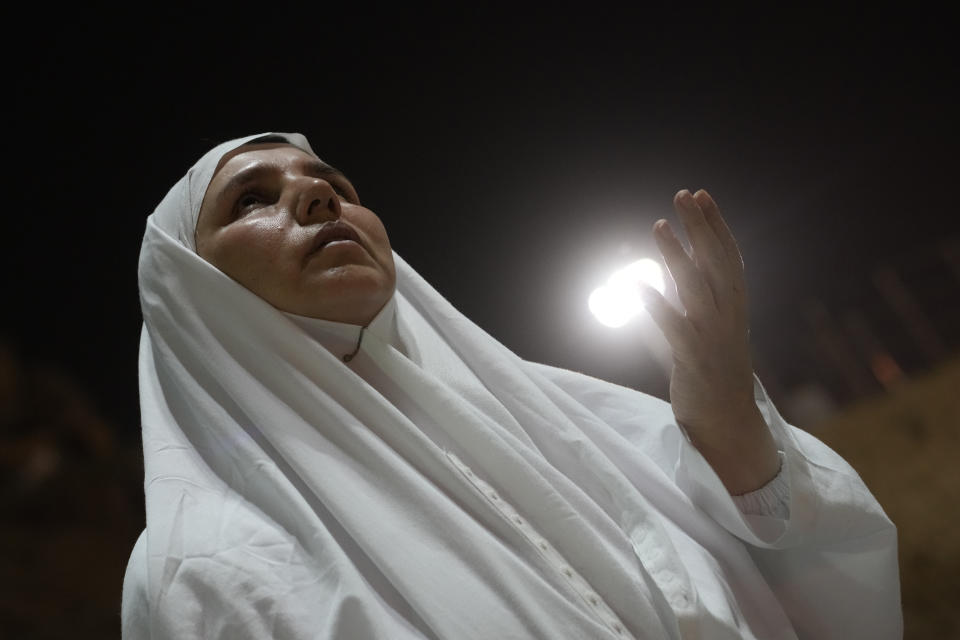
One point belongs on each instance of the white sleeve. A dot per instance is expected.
(772, 499)
(832, 560)
(829, 553)
(134, 612)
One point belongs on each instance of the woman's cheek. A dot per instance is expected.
(261, 237)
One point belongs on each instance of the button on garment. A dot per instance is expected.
(577, 583)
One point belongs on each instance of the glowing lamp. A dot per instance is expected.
(618, 301)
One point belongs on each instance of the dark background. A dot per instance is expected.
(511, 159)
(515, 156)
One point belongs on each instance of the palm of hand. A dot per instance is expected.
(711, 385)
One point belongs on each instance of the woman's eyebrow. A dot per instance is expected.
(257, 171)
(322, 169)
(250, 174)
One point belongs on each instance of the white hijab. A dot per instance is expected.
(290, 494)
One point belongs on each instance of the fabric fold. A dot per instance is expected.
(291, 494)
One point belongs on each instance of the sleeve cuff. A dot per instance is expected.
(787, 501)
(772, 499)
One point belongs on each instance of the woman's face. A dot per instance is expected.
(266, 211)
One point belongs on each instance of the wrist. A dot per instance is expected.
(743, 453)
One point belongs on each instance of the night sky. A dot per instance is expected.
(514, 159)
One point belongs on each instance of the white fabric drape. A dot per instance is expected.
(292, 495)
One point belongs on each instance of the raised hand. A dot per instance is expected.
(711, 385)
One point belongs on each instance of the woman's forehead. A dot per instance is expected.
(235, 160)
(238, 157)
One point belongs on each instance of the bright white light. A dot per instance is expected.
(616, 302)
(606, 306)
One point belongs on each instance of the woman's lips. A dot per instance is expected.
(336, 235)
(333, 232)
(334, 243)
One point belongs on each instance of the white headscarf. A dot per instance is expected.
(291, 495)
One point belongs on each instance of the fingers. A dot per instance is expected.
(712, 214)
(734, 286)
(692, 289)
(706, 247)
(715, 251)
(708, 252)
(710, 281)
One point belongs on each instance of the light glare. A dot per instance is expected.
(618, 301)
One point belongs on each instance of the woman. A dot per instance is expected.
(333, 451)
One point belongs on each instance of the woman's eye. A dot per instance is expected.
(248, 200)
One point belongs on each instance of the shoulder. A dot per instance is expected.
(606, 398)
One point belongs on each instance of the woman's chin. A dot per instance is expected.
(345, 293)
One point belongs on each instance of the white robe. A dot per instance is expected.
(438, 486)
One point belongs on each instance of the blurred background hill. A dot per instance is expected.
(905, 446)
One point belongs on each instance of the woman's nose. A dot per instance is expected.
(318, 203)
